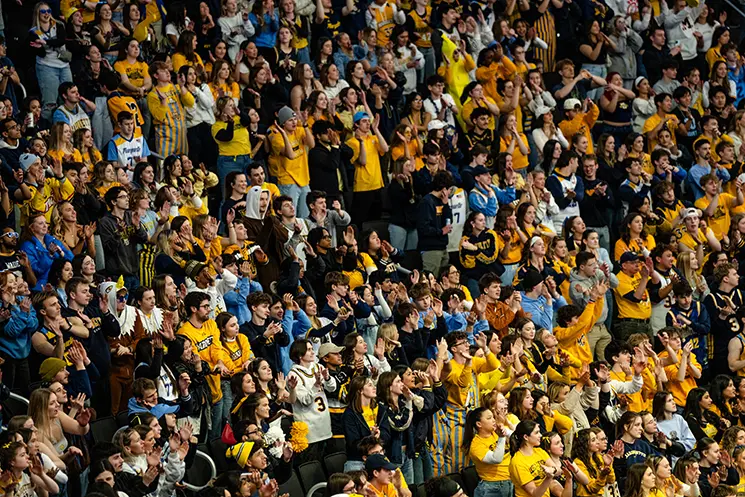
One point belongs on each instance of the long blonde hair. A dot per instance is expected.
(684, 266)
(38, 409)
(57, 140)
(58, 224)
(388, 333)
(37, 15)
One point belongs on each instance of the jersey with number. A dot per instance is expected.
(459, 208)
(127, 151)
(311, 404)
(723, 329)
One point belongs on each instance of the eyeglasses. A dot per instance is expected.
(205, 306)
(14, 126)
(121, 197)
(10, 234)
(45, 11)
(461, 343)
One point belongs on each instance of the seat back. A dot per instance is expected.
(470, 479)
(217, 451)
(122, 418)
(103, 429)
(334, 463)
(310, 474)
(318, 490)
(292, 486)
(15, 405)
(201, 472)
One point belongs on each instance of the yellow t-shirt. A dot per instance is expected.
(59, 154)
(135, 72)
(236, 353)
(179, 60)
(719, 222)
(627, 308)
(633, 246)
(479, 448)
(241, 142)
(293, 171)
(398, 152)
(206, 343)
(516, 250)
(652, 123)
(519, 161)
(525, 469)
(686, 239)
(230, 91)
(368, 177)
(680, 389)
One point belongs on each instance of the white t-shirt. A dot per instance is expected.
(433, 108)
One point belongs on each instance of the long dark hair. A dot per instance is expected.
(581, 450)
(634, 480)
(470, 429)
(658, 405)
(548, 154)
(522, 430)
(718, 385)
(626, 419)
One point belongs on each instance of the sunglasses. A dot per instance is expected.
(122, 298)
(45, 11)
(11, 234)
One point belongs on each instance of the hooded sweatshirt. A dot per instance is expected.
(580, 299)
(268, 233)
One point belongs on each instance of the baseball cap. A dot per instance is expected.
(690, 211)
(328, 348)
(284, 115)
(377, 462)
(571, 103)
(479, 170)
(436, 124)
(629, 257)
(26, 160)
(359, 116)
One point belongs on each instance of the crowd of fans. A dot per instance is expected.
(497, 235)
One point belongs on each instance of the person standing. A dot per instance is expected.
(166, 104)
(434, 223)
(289, 143)
(367, 146)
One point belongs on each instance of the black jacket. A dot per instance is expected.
(325, 165)
(355, 429)
(421, 427)
(432, 217)
(268, 348)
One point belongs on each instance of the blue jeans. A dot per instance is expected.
(216, 430)
(49, 80)
(596, 70)
(227, 401)
(510, 270)
(422, 466)
(407, 469)
(494, 489)
(401, 238)
(303, 55)
(101, 124)
(228, 164)
(131, 282)
(353, 466)
(297, 194)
